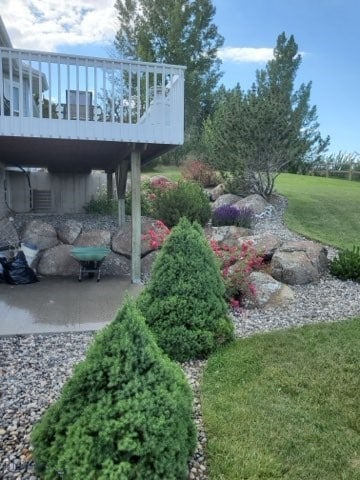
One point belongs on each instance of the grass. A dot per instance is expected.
(324, 209)
(170, 171)
(285, 405)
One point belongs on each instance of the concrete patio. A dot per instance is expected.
(62, 304)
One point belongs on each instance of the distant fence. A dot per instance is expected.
(349, 171)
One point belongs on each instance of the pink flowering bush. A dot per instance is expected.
(156, 236)
(236, 264)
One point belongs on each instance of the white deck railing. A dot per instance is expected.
(54, 95)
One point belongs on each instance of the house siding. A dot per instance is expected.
(43, 192)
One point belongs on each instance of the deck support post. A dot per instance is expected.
(121, 175)
(109, 186)
(135, 217)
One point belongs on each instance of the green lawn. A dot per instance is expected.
(285, 405)
(170, 171)
(324, 209)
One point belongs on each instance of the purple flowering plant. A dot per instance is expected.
(230, 215)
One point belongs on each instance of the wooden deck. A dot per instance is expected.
(71, 113)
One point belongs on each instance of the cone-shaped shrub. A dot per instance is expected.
(125, 414)
(184, 300)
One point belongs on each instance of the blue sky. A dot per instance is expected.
(327, 32)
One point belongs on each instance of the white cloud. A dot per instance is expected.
(46, 24)
(245, 54)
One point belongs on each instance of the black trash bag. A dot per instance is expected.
(16, 271)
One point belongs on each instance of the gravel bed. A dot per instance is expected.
(33, 368)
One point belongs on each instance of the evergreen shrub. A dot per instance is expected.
(186, 199)
(184, 300)
(347, 264)
(125, 414)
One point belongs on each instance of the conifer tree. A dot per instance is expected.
(271, 128)
(179, 32)
(126, 413)
(184, 301)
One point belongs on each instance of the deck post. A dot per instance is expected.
(135, 217)
(109, 185)
(121, 175)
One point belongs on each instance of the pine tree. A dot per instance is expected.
(184, 301)
(126, 412)
(269, 129)
(179, 32)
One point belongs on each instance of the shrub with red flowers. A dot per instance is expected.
(156, 236)
(236, 264)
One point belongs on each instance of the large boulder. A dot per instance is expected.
(121, 242)
(8, 234)
(256, 202)
(69, 231)
(41, 234)
(216, 192)
(265, 244)
(269, 292)
(147, 263)
(299, 262)
(115, 264)
(226, 199)
(94, 238)
(227, 235)
(58, 261)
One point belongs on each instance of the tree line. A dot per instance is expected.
(250, 136)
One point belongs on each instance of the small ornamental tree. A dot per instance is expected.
(124, 414)
(184, 300)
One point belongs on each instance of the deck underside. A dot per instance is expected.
(77, 156)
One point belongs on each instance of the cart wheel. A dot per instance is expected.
(79, 279)
(98, 280)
